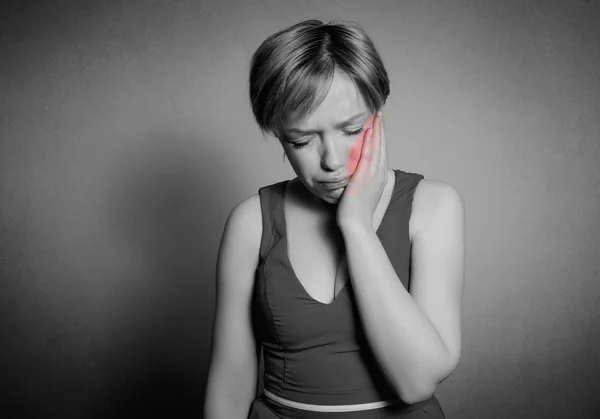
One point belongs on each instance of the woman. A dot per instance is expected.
(352, 289)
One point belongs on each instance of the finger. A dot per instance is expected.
(371, 143)
(366, 162)
(363, 170)
(376, 144)
(369, 137)
(383, 146)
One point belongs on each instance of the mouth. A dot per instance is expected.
(335, 185)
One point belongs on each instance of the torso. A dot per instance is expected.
(315, 244)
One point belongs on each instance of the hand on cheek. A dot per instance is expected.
(357, 145)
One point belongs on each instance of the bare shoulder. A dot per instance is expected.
(240, 246)
(431, 199)
(247, 217)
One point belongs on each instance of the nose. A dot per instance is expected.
(334, 155)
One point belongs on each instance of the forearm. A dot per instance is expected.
(224, 409)
(226, 401)
(406, 344)
(221, 407)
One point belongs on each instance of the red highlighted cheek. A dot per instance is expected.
(354, 155)
(356, 149)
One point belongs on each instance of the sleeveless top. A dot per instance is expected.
(313, 352)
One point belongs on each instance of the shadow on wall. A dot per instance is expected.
(159, 310)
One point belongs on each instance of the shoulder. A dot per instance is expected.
(249, 204)
(249, 211)
(246, 220)
(434, 199)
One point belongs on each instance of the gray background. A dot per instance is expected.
(126, 138)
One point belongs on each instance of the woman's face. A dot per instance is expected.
(326, 145)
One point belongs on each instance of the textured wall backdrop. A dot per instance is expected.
(126, 138)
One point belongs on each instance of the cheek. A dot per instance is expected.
(354, 155)
(356, 149)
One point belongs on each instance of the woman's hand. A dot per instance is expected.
(363, 192)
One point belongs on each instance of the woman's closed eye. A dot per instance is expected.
(348, 133)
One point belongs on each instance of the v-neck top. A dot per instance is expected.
(317, 353)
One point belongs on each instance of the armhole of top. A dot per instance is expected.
(411, 188)
(266, 237)
(413, 182)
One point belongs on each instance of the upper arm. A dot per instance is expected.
(235, 351)
(438, 260)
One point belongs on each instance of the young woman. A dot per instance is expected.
(349, 276)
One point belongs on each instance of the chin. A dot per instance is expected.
(331, 199)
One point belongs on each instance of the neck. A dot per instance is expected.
(312, 202)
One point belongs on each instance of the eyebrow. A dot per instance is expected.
(337, 126)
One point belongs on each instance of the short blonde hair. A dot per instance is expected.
(291, 71)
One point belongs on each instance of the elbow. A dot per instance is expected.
(418, 394)
(415, 390)
(421, 389)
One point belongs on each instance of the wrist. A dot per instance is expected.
(353, 227)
